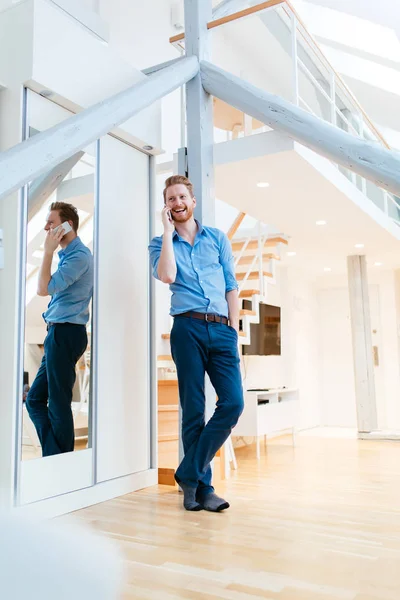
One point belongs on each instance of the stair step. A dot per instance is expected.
(252, 275)
(168, 408)
(253, 244)
(246, 312)
(248, 293)
(247, 260)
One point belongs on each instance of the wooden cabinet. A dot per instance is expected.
(168, 429)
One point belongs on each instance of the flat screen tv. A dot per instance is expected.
(265, 336)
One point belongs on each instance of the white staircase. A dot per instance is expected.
(255, 267)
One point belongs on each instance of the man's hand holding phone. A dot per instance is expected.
(54, 237)
(169, 226)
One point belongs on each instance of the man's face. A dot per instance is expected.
(180, 203)
(53, 220)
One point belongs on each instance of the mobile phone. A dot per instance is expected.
(170, 217)
(66, 226)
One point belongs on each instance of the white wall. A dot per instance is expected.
(338, 395)
(139, 33)
(297, 365)
(338, 405)
(392, 136)
(302, 343)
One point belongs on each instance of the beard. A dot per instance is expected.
(183, 216)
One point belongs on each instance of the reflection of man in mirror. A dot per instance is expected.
(70, 287)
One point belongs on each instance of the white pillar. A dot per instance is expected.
(199, 110)
(200, 131)
(362, 344)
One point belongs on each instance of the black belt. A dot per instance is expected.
(210, 318)
(70, 324)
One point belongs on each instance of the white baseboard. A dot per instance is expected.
(66, 503)
(379, 435)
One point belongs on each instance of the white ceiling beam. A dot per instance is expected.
(44, 151)
(160, 66)
(368, 159)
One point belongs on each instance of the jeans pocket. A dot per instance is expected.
(234, 330)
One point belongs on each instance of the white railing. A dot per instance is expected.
(257, 262)
(340, 102)
(314, 86)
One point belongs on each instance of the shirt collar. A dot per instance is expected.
(200, 230)
(71, 247)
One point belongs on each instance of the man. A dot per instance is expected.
(70, 287)
(197, 263)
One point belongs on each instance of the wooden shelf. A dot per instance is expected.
(167, 437)
(168, 408)
(168, 383)
(166, 476)
(164, 357)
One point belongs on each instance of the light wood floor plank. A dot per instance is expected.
(318, 522)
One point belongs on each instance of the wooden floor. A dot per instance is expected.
(319, 522)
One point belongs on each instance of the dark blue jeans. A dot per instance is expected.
(199, 347)
(49, 399)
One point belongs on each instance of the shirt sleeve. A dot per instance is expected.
(228, 264)
(70, 271)
(155, 251)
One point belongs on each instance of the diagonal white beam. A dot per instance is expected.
(368, 159)
(160, 66)
(42, 188)
(26, 161)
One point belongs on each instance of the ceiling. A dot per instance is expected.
(299, 194)
(384, 12)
